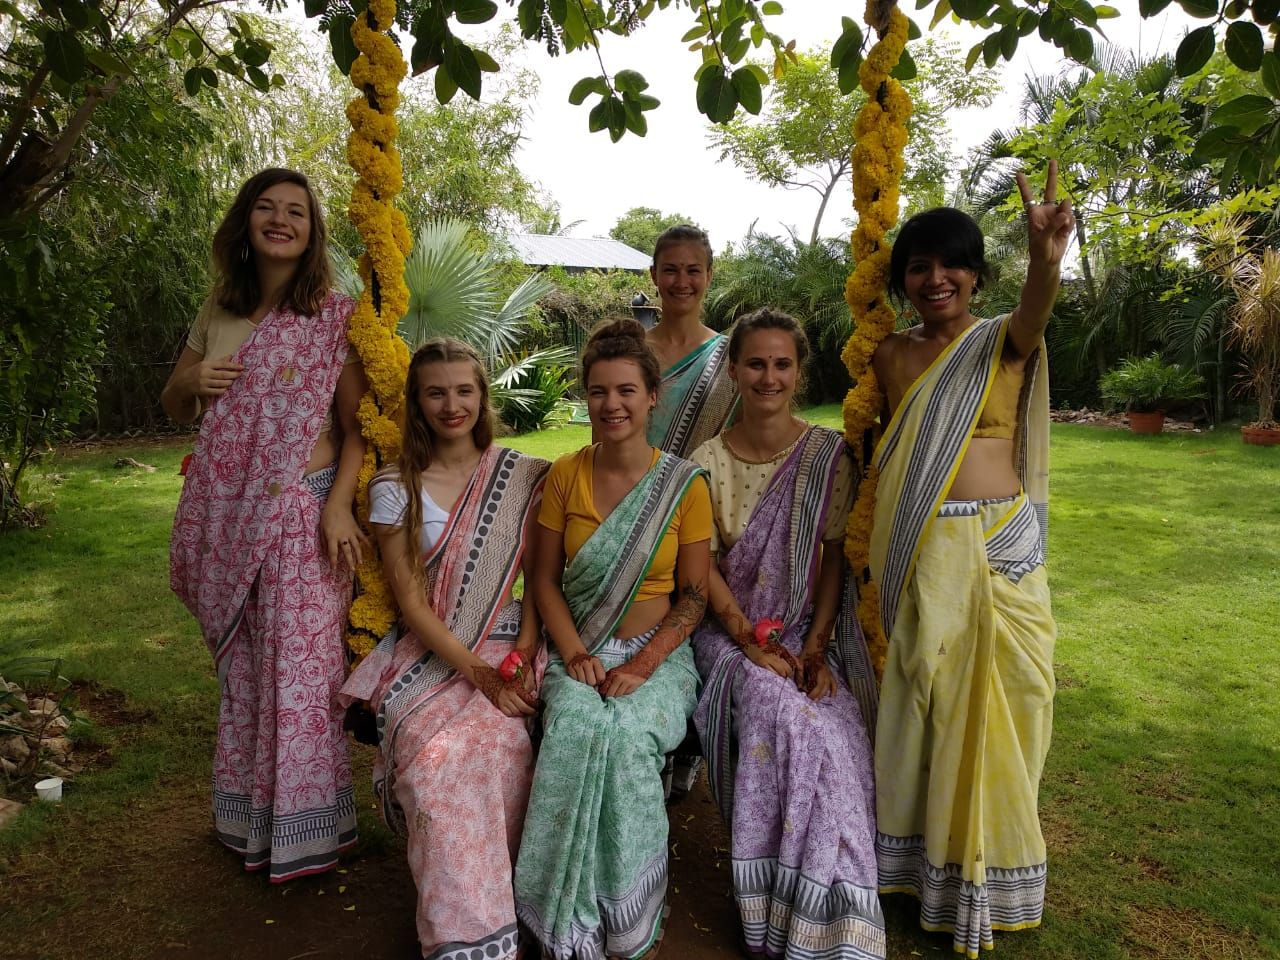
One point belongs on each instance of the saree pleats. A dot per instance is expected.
(282, 795)
(591, 880)
(966, 716)
(465, 772)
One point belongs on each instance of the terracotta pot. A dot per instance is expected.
(1260, 436)
(1150, 422)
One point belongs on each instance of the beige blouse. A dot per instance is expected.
(737, 484)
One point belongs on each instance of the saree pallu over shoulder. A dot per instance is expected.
(470, 572)
(967, 696)
(793, 777)
(696, 399)
(926, 440)
(603, 577)
(247, 466)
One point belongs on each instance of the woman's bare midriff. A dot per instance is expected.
(642, 616)
(323, 453)
(986, 472)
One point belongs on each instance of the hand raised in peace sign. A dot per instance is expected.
(1050, 224)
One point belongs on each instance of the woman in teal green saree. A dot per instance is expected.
(622, 526)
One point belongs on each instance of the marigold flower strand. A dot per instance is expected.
(880, 135)
(372, 153)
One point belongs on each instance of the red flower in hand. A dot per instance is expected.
(512, 666)
(767, 631)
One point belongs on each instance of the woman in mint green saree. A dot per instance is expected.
(622, 526)
(697, 397)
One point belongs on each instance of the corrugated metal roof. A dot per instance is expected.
(594, 253)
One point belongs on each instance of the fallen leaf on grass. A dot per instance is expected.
(350, 908)
(268, 921)
(342, 889)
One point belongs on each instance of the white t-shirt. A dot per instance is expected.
(388, 500)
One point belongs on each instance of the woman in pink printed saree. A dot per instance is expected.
(453, 685)
(264, 542)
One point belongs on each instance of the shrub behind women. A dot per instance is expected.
(264, 541)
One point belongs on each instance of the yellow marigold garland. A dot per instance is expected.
(371, 151)
(880, 135)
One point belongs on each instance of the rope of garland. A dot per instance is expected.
(880, 135)
(372, 153)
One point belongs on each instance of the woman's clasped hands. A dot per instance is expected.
(510, 686)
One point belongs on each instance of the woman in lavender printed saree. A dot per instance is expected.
(623, 526)
(789, 694)
(453, 685)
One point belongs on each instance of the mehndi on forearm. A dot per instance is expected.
(675, 628)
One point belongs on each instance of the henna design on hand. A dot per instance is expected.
(778, 650)
(735, 624)
(688, 611)
(681, 621)
(489, 682)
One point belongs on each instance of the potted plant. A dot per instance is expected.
(1144, 386)
(1254, 281)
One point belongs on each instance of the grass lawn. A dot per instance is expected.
(1161, 799)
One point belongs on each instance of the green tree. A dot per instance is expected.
(65, 59)
(722, 34)
(1123, 129)
(806, 280)
(639, 227)
(802, 139)
(1245, 130)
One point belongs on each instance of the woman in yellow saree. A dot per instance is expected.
(957, 552)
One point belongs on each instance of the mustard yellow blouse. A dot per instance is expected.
(568, 507)
(999, 417)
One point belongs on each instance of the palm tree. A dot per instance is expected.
(454, 292)
(1253, 280)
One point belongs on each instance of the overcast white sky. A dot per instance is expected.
(674, 169)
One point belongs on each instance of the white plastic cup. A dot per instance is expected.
(50, 789)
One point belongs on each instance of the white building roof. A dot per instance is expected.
(593, 253)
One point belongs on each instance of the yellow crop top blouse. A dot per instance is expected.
(569, 508)
(999, 417)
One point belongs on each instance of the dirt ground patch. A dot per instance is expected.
(159, 886)
(1161, 932)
